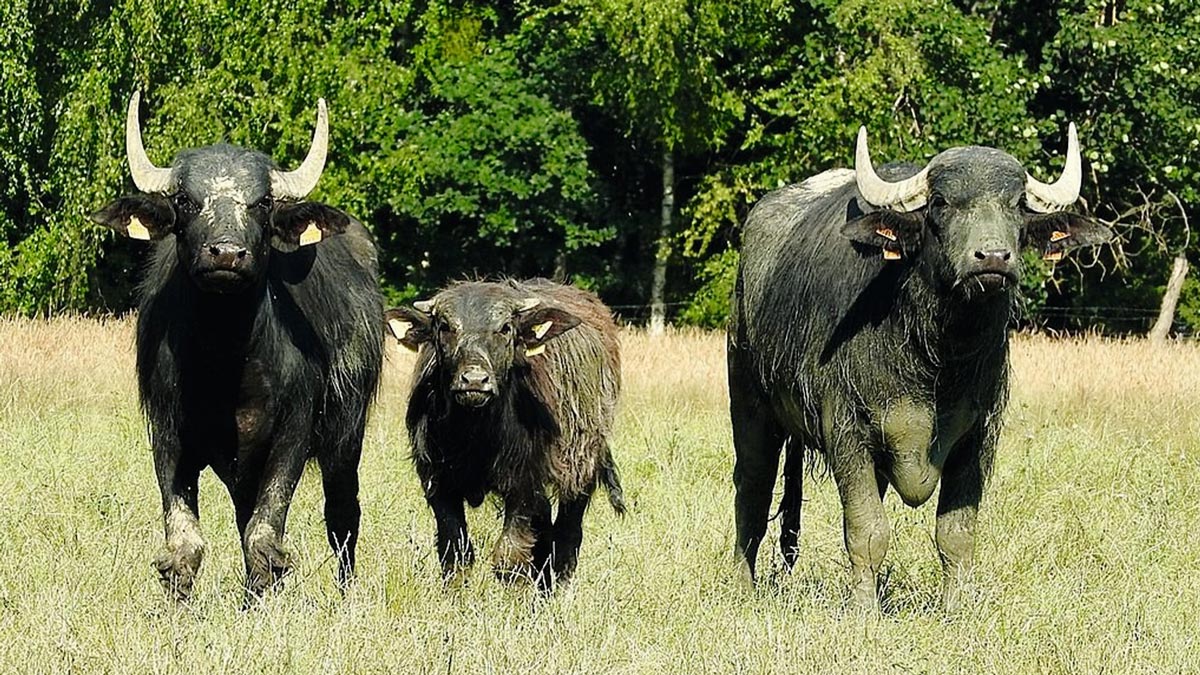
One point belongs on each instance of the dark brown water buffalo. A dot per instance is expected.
(514, 392)
(258, 344)
(870, 325)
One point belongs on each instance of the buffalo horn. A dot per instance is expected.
(1047, 198)
(146, 176)
(909, 194)
(297, 184)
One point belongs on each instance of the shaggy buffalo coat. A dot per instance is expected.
(893, 368)
(258, 348)
(544, 431)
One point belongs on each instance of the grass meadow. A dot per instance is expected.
(1088, 543)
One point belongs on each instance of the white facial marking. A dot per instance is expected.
(224, 188)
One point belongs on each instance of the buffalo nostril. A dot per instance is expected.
(474, 378)
(214, 251)
(242, 254)
(1001, 254)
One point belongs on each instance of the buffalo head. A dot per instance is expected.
(967, 214)
(225, 206)
(478, 332)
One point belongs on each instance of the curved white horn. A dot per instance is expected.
(1047, 198)
(297, 184)
(146, 176)
(909, 194)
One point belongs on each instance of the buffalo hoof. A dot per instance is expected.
(955, 593)
(457, 559)
(512, 557)
(267, 561)
(745, 574)
(564, 567)
(865, 598)
(177, 567)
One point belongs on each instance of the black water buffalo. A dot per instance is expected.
(514, 392)
(258, 344)
(870, 326)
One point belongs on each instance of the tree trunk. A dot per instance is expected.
(658, 308)
(560, 267)
(1166, 313)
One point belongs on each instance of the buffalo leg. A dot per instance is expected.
(958, 504)
(453, 543)
(339, 480)
(791, 504)
(267, 560)
(568, 534)
(178, 481)
(523, 549)
(864, 527)
(757, 441)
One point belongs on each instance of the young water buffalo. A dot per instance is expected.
(870, 324)
(514, 392)
(258, 344)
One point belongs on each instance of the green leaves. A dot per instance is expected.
(527, 138)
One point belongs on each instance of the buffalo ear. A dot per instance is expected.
(145, 217)
(410, 326)
(897, 233)
(305, 223)
(539, 325)
(1056, 233)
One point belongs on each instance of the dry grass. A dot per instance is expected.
(1088, 553)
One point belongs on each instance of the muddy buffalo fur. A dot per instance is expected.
(895, 372)
(543, 433)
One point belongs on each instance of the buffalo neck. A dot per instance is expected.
(954, 326)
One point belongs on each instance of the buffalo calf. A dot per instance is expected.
(514, 392)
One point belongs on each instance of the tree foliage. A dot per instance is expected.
(527, 138)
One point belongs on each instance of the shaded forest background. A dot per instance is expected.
(589, 138)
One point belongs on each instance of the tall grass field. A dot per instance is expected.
(1088, 551)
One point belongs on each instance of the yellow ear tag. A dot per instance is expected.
(534, 351)
(310, 235)
(399, 328)
(889, 254)
(136, 230)
(541, 329)
(1053, 256)
(886, 233)
(1058, 236)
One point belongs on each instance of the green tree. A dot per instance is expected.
(1126, 70)
(920, 76)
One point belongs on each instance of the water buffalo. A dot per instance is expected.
(869, 326)
(514, 392)
(258, 344)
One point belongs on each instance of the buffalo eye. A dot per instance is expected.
(937, 201)
(264, 204)
(184, 203)
(505, 330)
(443, 327)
